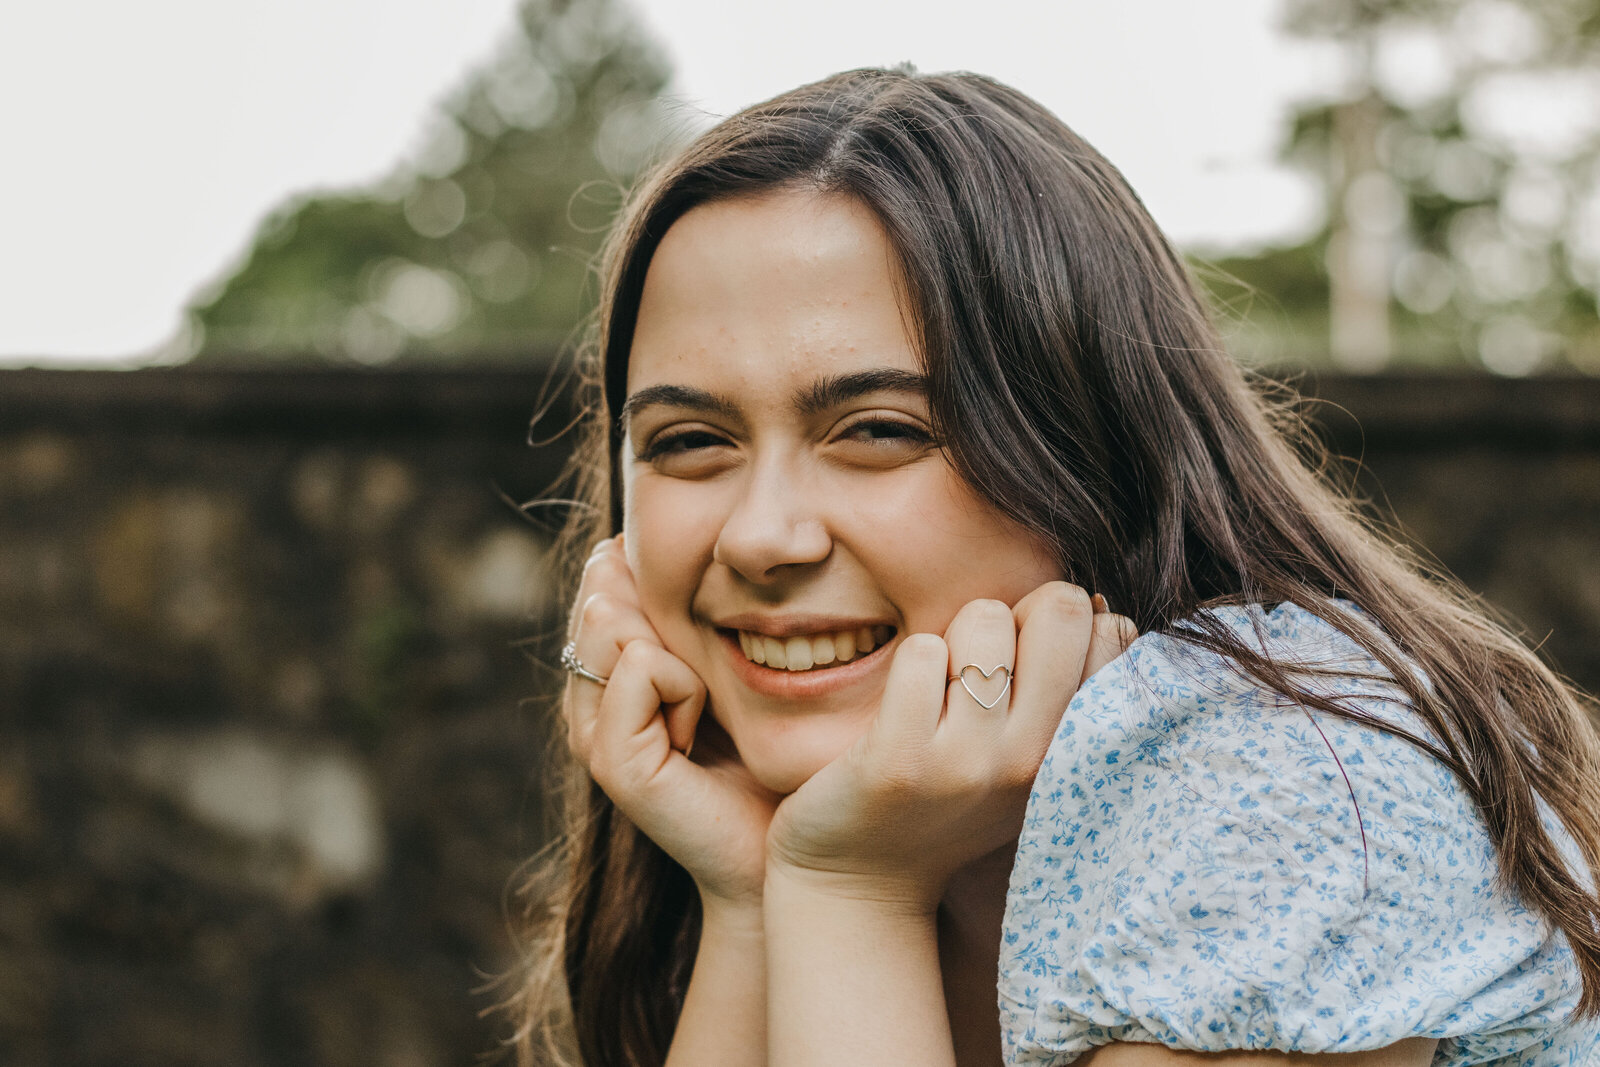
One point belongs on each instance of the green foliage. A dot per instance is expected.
(483, 245)
(1272, 307)
(1435, 149)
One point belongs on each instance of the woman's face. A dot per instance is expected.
(789, 515)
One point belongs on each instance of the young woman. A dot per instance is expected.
(897, 388)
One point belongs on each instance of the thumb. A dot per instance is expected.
(681, 695)
(683, 718)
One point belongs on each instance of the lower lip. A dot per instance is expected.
(802, 685)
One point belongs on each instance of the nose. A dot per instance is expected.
(775, 525)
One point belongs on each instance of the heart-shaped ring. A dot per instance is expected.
(987, 674)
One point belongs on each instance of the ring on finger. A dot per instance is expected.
(573, 665)
(961, 676)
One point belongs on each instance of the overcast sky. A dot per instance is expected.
(141, 143)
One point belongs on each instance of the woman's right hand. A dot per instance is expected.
(635, 732)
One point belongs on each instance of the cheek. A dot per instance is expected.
(936, 546)
(669, 538)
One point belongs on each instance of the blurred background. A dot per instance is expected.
(284, 285)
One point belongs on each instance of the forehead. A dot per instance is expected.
(756, 293)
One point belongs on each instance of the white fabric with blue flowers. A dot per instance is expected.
(1194, 872)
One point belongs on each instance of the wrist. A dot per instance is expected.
(895, 897)
(736, 914)
(853, 972)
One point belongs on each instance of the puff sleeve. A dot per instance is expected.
(1211, 867)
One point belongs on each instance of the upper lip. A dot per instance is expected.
(796, 625)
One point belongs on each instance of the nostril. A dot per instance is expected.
(762, 542)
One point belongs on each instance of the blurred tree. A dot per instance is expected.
(1462, 168)
(482, 243)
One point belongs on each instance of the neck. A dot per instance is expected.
(970, 918)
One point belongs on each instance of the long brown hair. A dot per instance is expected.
(1082, 390)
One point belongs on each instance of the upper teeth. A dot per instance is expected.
(801, 653)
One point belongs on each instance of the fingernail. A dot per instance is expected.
(1100, 605)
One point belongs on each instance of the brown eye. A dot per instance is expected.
(680, 443)
(688, 453)
(888, 432)
(877, 443)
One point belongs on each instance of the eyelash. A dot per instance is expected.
(671, 442)
(668, 442)
(903, 430)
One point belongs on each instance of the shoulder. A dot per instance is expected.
(1207, 864)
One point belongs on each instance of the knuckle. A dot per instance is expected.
(635, 654)
(593, 564)
(980, 618)
(601, 611)
(928, 647)
(1068, 599)
(1117, 630)
(991, 612)
(606, 570)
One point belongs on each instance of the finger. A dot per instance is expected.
(606, 614)
(606, 625)
(1111, 637)
(1054, 629)
(982, 639)
(913, 694)
(648, 683)
(605, 571)
(682, 718)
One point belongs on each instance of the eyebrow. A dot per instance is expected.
(676, 396)
(818, 397)
(832, 391)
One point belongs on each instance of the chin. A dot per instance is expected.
(784, 778)
(784, 760)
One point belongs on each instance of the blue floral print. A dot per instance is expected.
(1210, 866)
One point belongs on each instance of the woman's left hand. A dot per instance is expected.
(939, 780)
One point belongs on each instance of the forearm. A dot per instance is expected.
(724, 1018)
(852, 980)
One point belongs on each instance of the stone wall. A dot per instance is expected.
(269, 748)
(267, 756)
(1498, 481)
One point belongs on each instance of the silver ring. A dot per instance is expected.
(572, 665)
(987, 674)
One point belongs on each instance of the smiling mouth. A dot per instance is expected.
(812, 652)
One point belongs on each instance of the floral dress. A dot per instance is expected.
(1209, 866)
